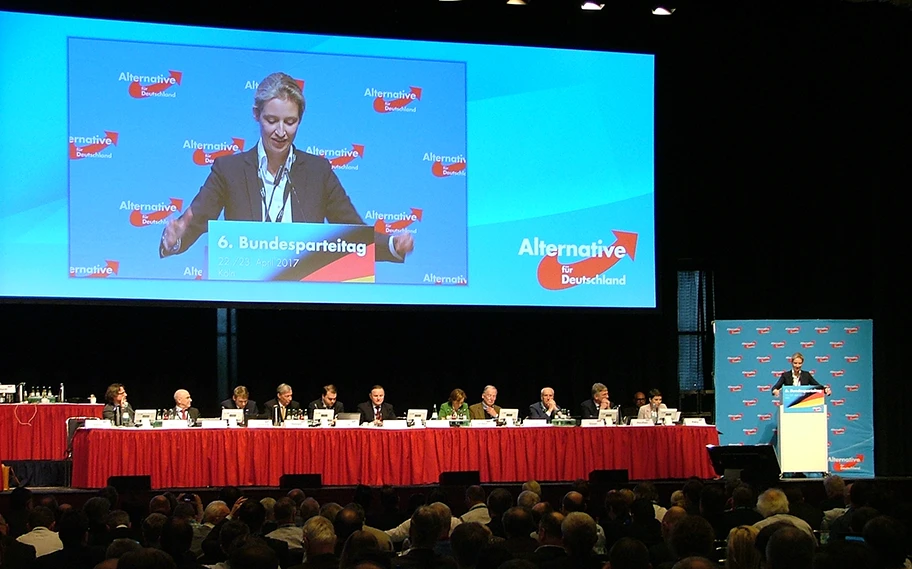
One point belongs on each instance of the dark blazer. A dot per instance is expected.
(110, 412)
(589, 410)
(250, 410)
(337, 408)
(269, 405)
(192, 411)
(804, 379)
(367, 411)
(234, 186)
(537, 411)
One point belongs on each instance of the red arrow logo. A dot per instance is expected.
(203, 158)
(851, 463)
(139, 91)
(442, 170)
(77, 153)
(140, 219)
(551, 270)
(383, 227)
(343, 160)
(383, 106)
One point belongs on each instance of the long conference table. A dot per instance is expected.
(31, 431)
(197, 458)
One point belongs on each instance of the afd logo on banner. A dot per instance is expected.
(92, 146)
(144, 214)
(391, 223)
(597, 257)
(253, 85)
(444, 166)
(146, 86)
(340, 158)
(401, 101)
(752, 355)
(205, 153)
(109, 269)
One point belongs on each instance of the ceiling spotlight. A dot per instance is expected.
(662, 11)
(516, 2)
(589, 5)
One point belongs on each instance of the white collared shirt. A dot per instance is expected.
(274, 191)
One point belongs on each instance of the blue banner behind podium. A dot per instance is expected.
(750, 355)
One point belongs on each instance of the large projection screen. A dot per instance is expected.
(423, 173)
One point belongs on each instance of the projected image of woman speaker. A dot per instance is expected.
(797, 376)
(274, 182)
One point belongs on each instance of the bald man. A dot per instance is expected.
(182, 408)
(546, 408)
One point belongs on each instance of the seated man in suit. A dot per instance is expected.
(241, 400)
(182, 408)
(546, 408)
(375, 410)
(797, 376)
(283, 401)
(655, 404)
(116, 408)
(329, 400)
(631, 411)
(486, 409)
(591, 407)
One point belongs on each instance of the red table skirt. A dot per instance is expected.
(38, 432)
(195, 458)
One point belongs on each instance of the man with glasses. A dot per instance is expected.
(116, 408)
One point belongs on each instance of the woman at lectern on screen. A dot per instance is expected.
(274, 181)
(797, 376)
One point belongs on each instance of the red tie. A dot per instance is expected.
(184, 414)
(377, 416)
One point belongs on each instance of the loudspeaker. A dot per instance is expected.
(290, 481)
(609, 479)
(460, 478)
(756, 465)
(131, 484)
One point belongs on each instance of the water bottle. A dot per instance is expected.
(434, 414)
(276, 416)
(92, 399)
(60, 398)
(655, 417)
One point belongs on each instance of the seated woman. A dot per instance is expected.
(456, 406)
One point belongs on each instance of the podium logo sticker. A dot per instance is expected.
(808, 344)
(389, 223)
(822, 359)
(839, 431)
(852, 359)
(765, 416)
(750, 432)
(394, 101)
(793, 329)
(205, 153)
(143, 214)
(852, 388)
(851, 329)
(145, 86)
(838, 344)
(340, 158)
(777, 345)
(733, 331)
(737, 417)
(597, 258)
(837, 402)
(764, 359)
(749, 345)
(777, 372)
(92, 146)
(735, 388)
(749, 373)
(837, 372)
(764, 388)
(110, 268)
(734, 359)
(764, 330)
(749, 402)
(822, 329)
(446, 166)
(853, 416)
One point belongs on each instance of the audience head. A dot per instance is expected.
(692, 536)
(160, 505)
(347, 521)
(772, 502)
(269, 506)
(319, 536)
(694, 562)
(527, 499)
(517, 522)
(297, 495)
(425, 528)
(215, 512)
(540, 509)
(177, 536)
(444, 515)
(499, 501)
(532, 486)
(121, 546)
(572, 502)
(578, 533)
(253, 514)
(73, 528)
(834, 486)
(860, 493)
(117, 518)
(642, 511)
(743, 497)
(712, 500)
(844, 555)
(474, 495)
(677, 498)
(671, 518)
(20, 498)
(253, 554)
(309, 508)
(790, 548)
(40, 517)
(628, 553)
(886, 538)
(646, 491)
(232, 531)
(284, 511)
(741, 551)
(616, 505)
(148, 558)
(359, 544)
(152, 528)
(330, 510)
(389, 499)
(229, 495)
(763, 536)
(468, 541)
(549, 529)
(692, 490)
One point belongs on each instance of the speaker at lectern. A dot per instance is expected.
(802, 441)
